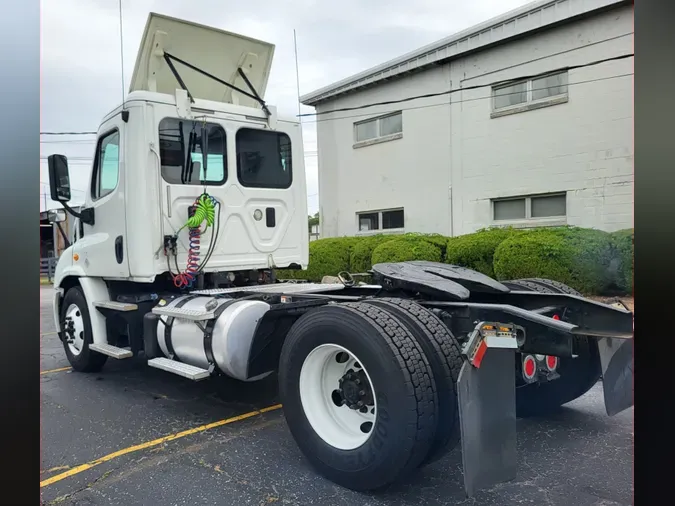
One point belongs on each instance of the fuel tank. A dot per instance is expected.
(222, 343)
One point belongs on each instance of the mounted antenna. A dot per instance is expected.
(125, 112)
(297, 73)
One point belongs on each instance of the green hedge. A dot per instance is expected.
(476, 251)
(438, 240)
(361, 255)
(623, 243)
(327, 257)
(581, 258)
(403, 249)
(592, 261)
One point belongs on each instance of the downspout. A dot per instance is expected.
(450, 154)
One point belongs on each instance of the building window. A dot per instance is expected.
(530, 208)
(106, 165)
(377, 128)
(533, 92)
(264, 159)
(380, 220)
(178, 138)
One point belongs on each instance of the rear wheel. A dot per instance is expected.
(577, 375)
(445, 359)
(358, 395)
(77, 334)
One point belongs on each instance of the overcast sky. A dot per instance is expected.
(81, 70)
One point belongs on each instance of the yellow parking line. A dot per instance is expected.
(84, 467)
(61, 369)
(42, 334)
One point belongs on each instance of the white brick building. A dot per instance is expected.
(555, 149)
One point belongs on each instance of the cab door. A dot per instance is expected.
(102, 249)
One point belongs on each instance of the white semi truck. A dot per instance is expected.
(197, 194)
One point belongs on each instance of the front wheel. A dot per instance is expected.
(358, 395)
(77, 334)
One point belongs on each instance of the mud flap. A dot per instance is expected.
(616, 359)
(487, 413)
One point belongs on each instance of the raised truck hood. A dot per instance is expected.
(217, 52)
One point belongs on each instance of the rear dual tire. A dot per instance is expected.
(404, 397)
(577, 375)
(445, 359)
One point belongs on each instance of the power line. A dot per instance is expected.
(86, 158)
(72, 189)
(88, 161)
(74, 163)
(70, 141)
(74, 159)
(487, 97)
(429, 95)
(551, 55)
(468, 88)
(68, 133)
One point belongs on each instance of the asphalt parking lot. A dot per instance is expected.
(132, 435)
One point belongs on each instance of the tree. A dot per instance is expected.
(313, 220)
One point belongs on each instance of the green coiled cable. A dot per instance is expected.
(205, 212)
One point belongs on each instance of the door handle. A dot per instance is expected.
(119, 250)
(270, 217)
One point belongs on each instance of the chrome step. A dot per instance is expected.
(116, 306)
(179, 368)
(183, 313)
(111, 351)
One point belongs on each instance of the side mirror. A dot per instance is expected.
(59, 178)
(56, 215)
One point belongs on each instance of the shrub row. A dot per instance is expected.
(476, 251)
(591, 261)
(580, 258)
(623, 244)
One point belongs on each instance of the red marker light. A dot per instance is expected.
(529, 367)
(551, 363)
(556, 317)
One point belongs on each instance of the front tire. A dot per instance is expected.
(397, 385)
(77, 333)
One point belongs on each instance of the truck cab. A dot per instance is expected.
(194, 122)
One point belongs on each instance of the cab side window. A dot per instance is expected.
(106, 165)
